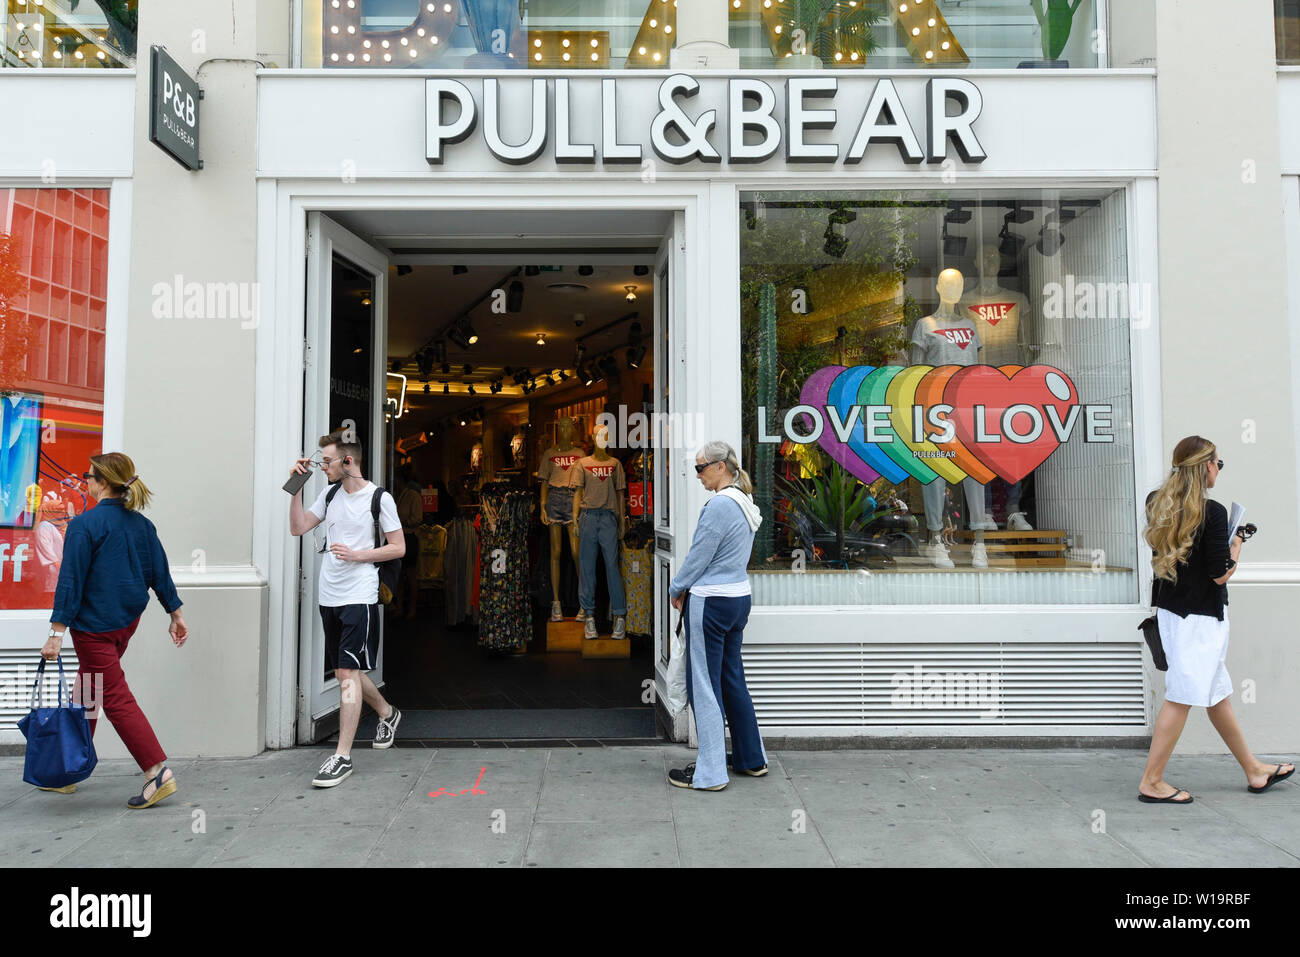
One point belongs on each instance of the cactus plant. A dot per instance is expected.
(765, 453)
(1055, 23)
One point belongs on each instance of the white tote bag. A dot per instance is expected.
(676, 692)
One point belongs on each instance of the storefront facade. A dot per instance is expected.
(808, 217)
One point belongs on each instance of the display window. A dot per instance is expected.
(936, 396)
(53, 285)
(903, 34)
(488, 34)
(68, 36)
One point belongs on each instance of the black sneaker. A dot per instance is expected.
(335, 769)
(386, 730)
(685, 776)
(752, 772)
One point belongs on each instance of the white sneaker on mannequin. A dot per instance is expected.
(936, 554)
(1017, 522)
(987, 525)
(979, 556)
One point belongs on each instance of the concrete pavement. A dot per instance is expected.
(556, 807)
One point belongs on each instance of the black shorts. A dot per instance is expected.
(351, 635)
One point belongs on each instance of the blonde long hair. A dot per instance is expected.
(1175, 512)
(117, 471)
(719, 451)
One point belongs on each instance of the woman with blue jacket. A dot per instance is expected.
(711, 590)
(111, 558)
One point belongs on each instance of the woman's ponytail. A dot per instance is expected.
(719, 451)
(117, 471)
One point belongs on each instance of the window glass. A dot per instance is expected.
(936, 402)
(52, 318)
(489, 34)
(1287, 20)
(72, 35)
(900, 34)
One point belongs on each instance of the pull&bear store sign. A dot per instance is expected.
(735, 120)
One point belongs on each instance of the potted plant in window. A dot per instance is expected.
(812, 30)
(1054, 23)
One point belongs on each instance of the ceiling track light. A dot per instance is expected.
(541, 338)
(515, 297)
(631, 293)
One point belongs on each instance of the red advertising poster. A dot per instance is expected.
(53, 290)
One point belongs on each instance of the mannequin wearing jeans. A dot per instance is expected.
(949, 338)
(598, 502)
(1001, 318)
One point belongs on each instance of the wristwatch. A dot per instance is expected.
(56, 634)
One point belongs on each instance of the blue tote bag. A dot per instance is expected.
(59, 746)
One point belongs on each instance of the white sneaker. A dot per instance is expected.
(979, 556)
(988, 525)
(589, 629)
(936, 554)
(1017, 522)
(557, 613)
(581, 615)
(620, 628)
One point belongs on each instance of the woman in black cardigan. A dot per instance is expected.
(1192, 560)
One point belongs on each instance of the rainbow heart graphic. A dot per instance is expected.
(949, 422)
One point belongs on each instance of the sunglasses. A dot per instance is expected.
(701, 468)
(1220, 464)
(87, 476)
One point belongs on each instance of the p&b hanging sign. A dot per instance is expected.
(174, 109)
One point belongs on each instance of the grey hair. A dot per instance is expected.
(719, 451)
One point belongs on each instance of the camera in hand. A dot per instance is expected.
(1246, 530)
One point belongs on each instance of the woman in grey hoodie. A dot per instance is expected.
(711, 590)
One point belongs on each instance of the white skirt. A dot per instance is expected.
(1195, 647)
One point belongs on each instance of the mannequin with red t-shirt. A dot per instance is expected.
(557, 505)
(949, 337)
(1001, 318)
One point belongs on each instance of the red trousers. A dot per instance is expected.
(101, 654)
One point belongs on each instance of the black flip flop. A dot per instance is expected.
(1272, 779)
(1148, 799)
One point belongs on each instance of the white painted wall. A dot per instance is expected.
(188, 409)
(1225, 333)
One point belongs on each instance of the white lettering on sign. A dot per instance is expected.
(679, 135)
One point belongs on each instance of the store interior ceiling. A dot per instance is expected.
(565, 278)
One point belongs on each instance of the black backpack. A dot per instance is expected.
(389, 571)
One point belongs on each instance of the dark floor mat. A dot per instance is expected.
(517, 723)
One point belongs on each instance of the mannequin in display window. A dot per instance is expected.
(949, 337)
(1001, 318)
(557, 505)
(600, 485)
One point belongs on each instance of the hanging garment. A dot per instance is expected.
(505, 612)
(433, 543)
(639, 583)
(459, 560)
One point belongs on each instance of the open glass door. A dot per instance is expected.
(347, 301)
(666, 458)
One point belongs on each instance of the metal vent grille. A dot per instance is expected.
(17, 672)
(991, 685)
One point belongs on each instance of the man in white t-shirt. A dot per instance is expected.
(348, 590)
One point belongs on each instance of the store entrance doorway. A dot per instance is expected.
(508, 388)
